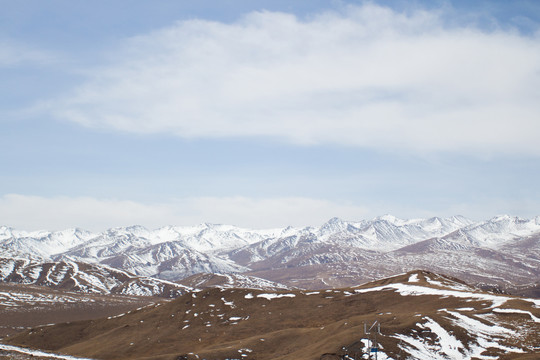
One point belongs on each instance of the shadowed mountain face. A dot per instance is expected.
(421, 315)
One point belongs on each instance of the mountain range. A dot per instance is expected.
(502, 252)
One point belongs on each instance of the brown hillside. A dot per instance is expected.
(255, 324)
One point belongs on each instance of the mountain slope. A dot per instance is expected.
(204, 281)
(421, 315)
(86, 278)
(23, 306)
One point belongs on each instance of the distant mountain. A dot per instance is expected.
(503, 251)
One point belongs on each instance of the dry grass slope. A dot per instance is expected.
(254, 324)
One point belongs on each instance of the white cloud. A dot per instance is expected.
(53, 213)
(36, 212)
(367, 76)
(13, 53)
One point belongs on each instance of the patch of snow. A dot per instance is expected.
(228, 303)
(39, 353)
(367, 346)
(116, 316)
(449, 344)
(14, 299)
(454, 285)
(478, 327)
(516, 311)
(275, 296)
(6, 268)
(416, 290)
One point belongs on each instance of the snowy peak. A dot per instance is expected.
(5, 233)
(333, 226)
(386, 229)
(175, 252)
(390, 219)
(460, 220)
(500, 229)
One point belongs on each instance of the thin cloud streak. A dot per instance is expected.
(27, 212)
(13, 53)
(55, 213)
(367, 76)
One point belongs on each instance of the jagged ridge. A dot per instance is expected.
(504, 250)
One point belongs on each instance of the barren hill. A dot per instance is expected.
(421, 315)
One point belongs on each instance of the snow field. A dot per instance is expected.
(38, 353)
(12, 299)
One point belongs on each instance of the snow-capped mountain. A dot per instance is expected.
(503, 250)
(381, 234)
(41, 244)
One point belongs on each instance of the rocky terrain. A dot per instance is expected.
(418, 315)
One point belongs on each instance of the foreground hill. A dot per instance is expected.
(421, 315)
(26, 306)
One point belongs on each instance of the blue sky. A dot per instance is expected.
(266, 113)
